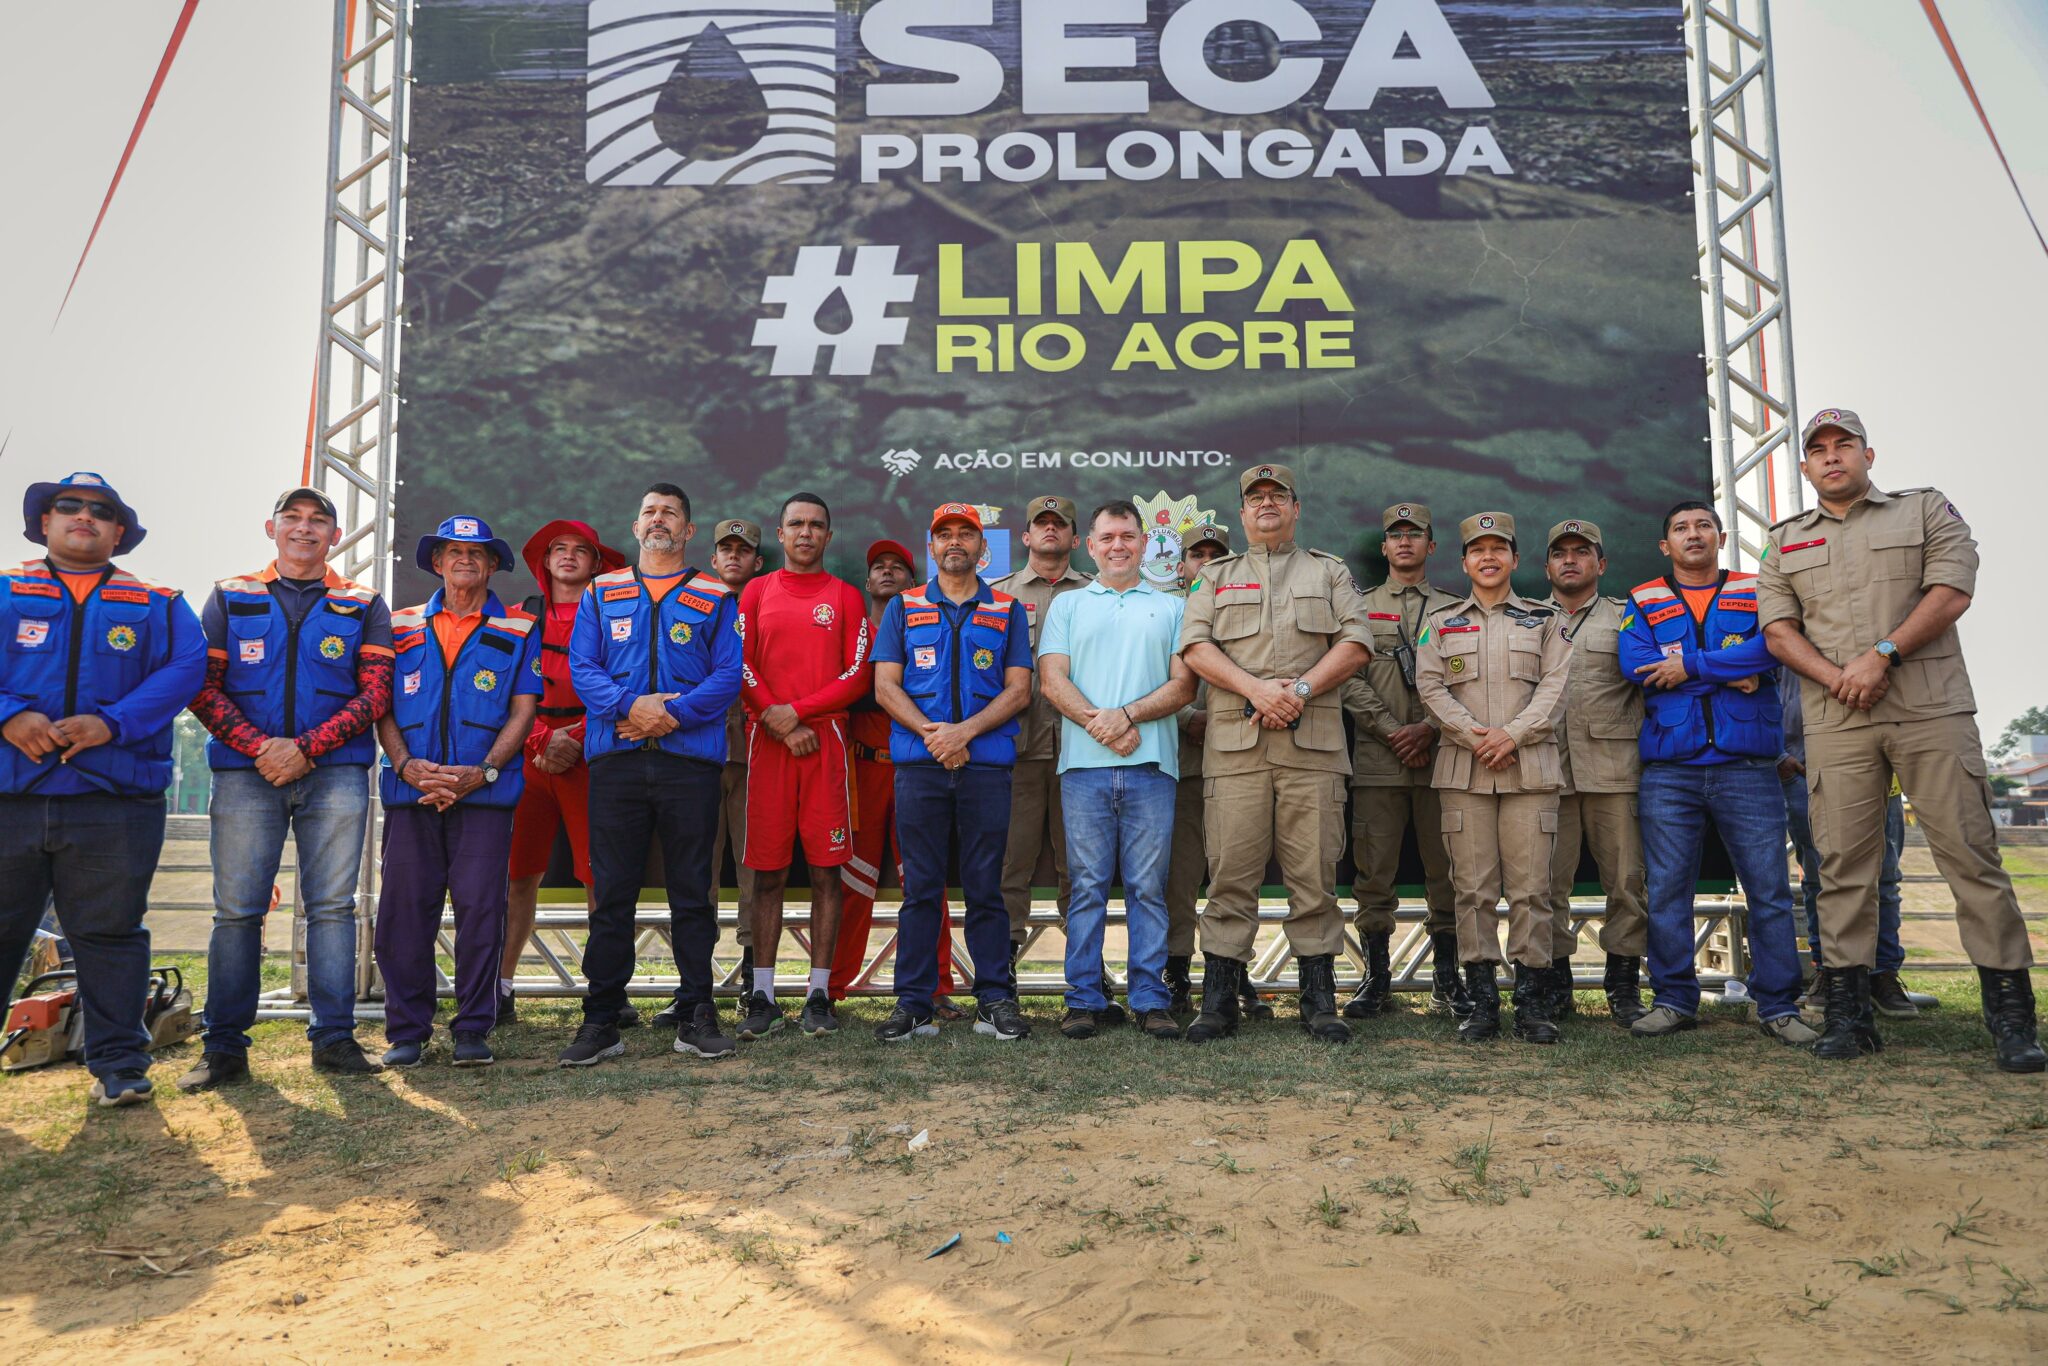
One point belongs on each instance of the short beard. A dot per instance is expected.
(657, 540)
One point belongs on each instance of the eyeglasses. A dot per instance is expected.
(1407, 535)
(105, 512)
(1260, 500)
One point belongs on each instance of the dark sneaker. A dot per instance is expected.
(471, 1050)
(126, 1087)
(1255, 1006)
(763, 1017)
(1002, 1020)
(669, 1016)
(594, 1042)
(1158, 1024)
(702, 1037)
(1112, 1015)
(818, 1017)
(1078, 1024)
(343, 1056)
(627, 1018)
(1890, 999)
(508, 1009)
(902, 1025)
(404, 1054)
(215, 1069)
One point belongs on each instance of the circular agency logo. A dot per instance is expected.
(984, 659)
(484, 680)
(680, 633)
(824, 614)
(121, 638)
(332, 647)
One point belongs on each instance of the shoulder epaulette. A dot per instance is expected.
(131, 580)
(1736, 576)
(1656, 590)
(243, 583)
(1925, 488)
(1786, 521)
(408, 618)
(515, 621)
(1446, 607)
(1622, 603)
(615, 576)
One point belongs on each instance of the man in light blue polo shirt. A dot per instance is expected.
(1107, 660)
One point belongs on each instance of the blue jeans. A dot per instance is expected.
(1745, 803)
(327, 811)
(1118, 819)
(1891, 954)
(96, 854)
(934, 809)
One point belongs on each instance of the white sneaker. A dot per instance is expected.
(1791, 1031)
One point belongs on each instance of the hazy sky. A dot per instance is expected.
(182, 368)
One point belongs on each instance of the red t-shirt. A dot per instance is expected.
(807, 642)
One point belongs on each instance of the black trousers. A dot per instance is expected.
(638, 796)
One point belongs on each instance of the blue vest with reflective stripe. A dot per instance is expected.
(69, 658)
(652, 647)
(1677, 725)
(452, 714)
(286, 679)
(952, 668)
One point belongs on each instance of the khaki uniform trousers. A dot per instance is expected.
(732, 829)
(1501, 845)
(1379, 816)
(1295, 815)
(1607, 822)
(1940, 763)
(1186, 864)
(1036, 818)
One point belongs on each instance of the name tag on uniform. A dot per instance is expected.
(925, 657)
(1803, 545)
(622, 628)
(1664, 614)
(1738, 604)
(1239, 588)
(252, 651)
(30, 633)
(111, 594)
(622, 591)
(1382, 616)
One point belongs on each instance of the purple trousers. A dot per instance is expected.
(458, 856)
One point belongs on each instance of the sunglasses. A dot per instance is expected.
(106, 512)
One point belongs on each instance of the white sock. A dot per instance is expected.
(504, 986)
(821, 980)
(764, 981)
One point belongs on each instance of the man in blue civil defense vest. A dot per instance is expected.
(468, 686)
(1711, 738)
(298, 670)
(953, 670)
(656, 659)
(95, 664)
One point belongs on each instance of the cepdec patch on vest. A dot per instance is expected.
(412, 684)
(29, 633)
(925, 657)
(252, 651)
(124, 595)
(622, 628)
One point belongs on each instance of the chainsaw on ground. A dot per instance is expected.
(47, 1024)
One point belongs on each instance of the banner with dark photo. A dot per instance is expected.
(901, 252)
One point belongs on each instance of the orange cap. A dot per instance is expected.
(946, 512)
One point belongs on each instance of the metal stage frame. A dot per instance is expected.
(1739, 205)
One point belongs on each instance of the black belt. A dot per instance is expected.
(561, 711)
(871, 754)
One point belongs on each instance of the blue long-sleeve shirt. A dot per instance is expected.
(610, 674)
(1705, 720)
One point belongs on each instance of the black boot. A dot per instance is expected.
(1851, 1026)
(1447, 985)
(1535, 1004)
(1561, 1003)
(1318, 974)
(1623, 984)
(1180, 983)
(1483, 991)
(1220, 1006)
(2009, 1015)
(1375, 995)
(1251, 1005)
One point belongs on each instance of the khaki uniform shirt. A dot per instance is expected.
(1850, 581)
(1190, 749)
(1039, 727)
(1603, 710)
(1377, 696)
(1275, 613)
(736, 734)
(1502, 666)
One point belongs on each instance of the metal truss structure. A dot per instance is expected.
(1740, 209)
(1739, 201)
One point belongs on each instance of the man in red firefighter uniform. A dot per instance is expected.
(564, 557)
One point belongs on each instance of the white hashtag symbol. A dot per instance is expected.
(870, 288)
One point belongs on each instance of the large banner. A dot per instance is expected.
(899, 252)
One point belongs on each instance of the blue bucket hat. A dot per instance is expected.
(85, 484)
(468, 531)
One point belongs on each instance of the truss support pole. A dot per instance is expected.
(1739, 201)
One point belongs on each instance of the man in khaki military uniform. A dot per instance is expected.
(1491, 668)
(1860, 597)
(1603, 718)
(1036, 820)
(1188, 862)
(735, 558)
(1275, 632)
(1390, 761)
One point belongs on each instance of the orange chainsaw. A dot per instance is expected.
(46, 1024)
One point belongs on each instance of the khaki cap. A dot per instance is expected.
(1833, 417)
(745, 530)
(1052, 502)
(1590, 531)
(1415, 514)
(1275, 474)
(1207, 531)
(1479, 524)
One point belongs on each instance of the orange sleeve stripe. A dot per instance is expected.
(378, 651)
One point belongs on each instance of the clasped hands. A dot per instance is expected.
(781, 722)
(36, 735)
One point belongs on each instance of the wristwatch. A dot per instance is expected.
(1889, 652)
(490, 772)
(1302, 689)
